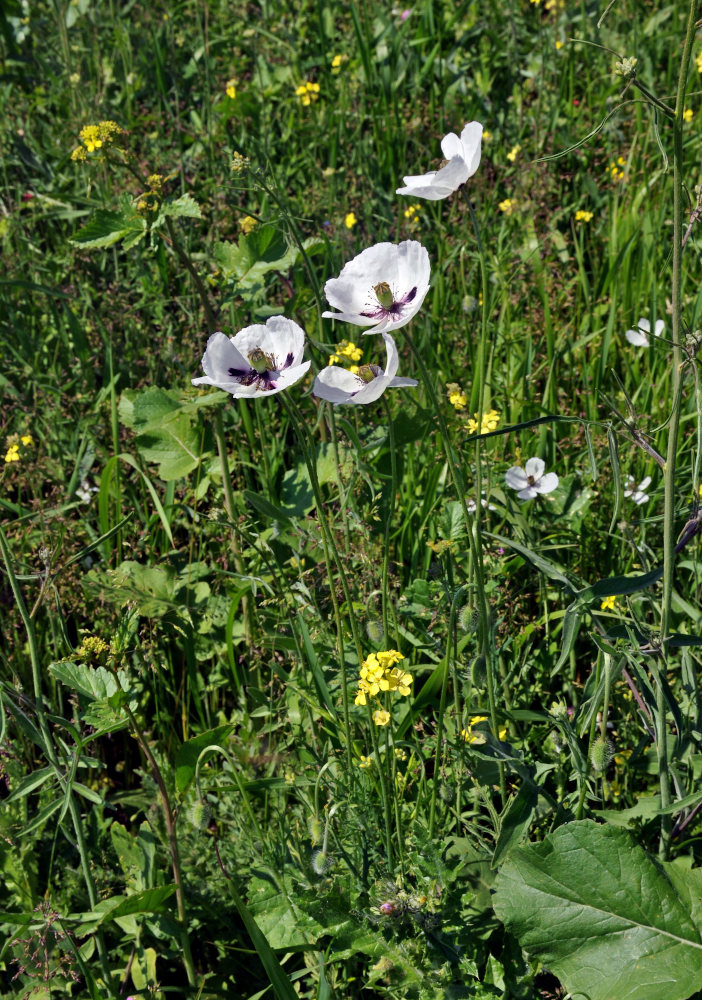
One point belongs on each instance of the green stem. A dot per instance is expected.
(385, 586)
(674, 425)
(172, 846)
(184, 256)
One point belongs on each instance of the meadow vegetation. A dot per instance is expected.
(378, 678)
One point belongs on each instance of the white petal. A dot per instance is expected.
(371, 390)
(547, 483)
(646, 481)
(451, 146)
(392, 362)
(645, 325)
(527, 494)
(535, 467)
(288, 377)
(424, 186)
(221, 355)
(279, 338)
(395, 383)
(636, 338)
(516, 477)
(471, 140)
(659, 327)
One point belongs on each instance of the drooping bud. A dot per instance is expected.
(383, 294)
(374, 631)
(321, 862)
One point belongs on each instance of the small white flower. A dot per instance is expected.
(531, 480)
(637, 493)
(338, 385)
(463, 157)
(257, 361)
(639, 336)
(382, 287)
(85, 491)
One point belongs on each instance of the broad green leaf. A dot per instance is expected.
(93, 682)
(602, 915)
(28, 784)
(149, 901)
(184, 207)
(616, 586)
(515, 821)
(545, 565)
(175, 446)
(188, 753)
(106, 228)
(255, 255)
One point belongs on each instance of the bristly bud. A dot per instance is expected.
(601, 753)
(447, 792)
(316, 829)
(478, 671)
(468, 618)
(321, 862)
(199, 815)
(375, 633)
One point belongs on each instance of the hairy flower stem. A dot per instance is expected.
(246, 608)
(333, 562)
(456, 473)
(385, 585)
(50, 753)
(674, 425)
(172, 846)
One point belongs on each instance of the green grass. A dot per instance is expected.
(205, 769)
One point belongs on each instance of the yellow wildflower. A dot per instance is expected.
(616, 169)
(381, 717)
(507, 206)
(337, 62)
(411, 212)
(583, 216)
(687, 115)
(247, 224)
(559, 44)
(488, 423)
(698, 62)
(230, 89)
(487, 136)
(350, 220)
(458, 399)
(609, 603)
(514, 153)
(365, 762)
(348, 349)
(307, 92)
(27, 440)
(12, 453)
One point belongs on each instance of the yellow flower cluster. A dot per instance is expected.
(247, 224)
(514, 153)
(477, 737)
(230, 89)
(346, 349)
(507, 206)
(350, 220)
(411, 213)
(616, 169)
(365, 762)
(307, 92)
(582, 216)
(13, 444)
(609, 603)
(95, 137)
(489, 422)
(698, 62)
(688, 115)
(337, 62)
(458, 398)
(379, 673)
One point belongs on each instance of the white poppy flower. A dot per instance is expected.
(471, 505)
(637, 493)
(339, 385)
(383, 287)
(531, 480)
(463, 157)
(257, 361)
(639, 336)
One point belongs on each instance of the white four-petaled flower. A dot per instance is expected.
(383, 287)
(463, 155)
(531, 480)
(637, 493)
(257, 361)
(639, 336)
(338, 385)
